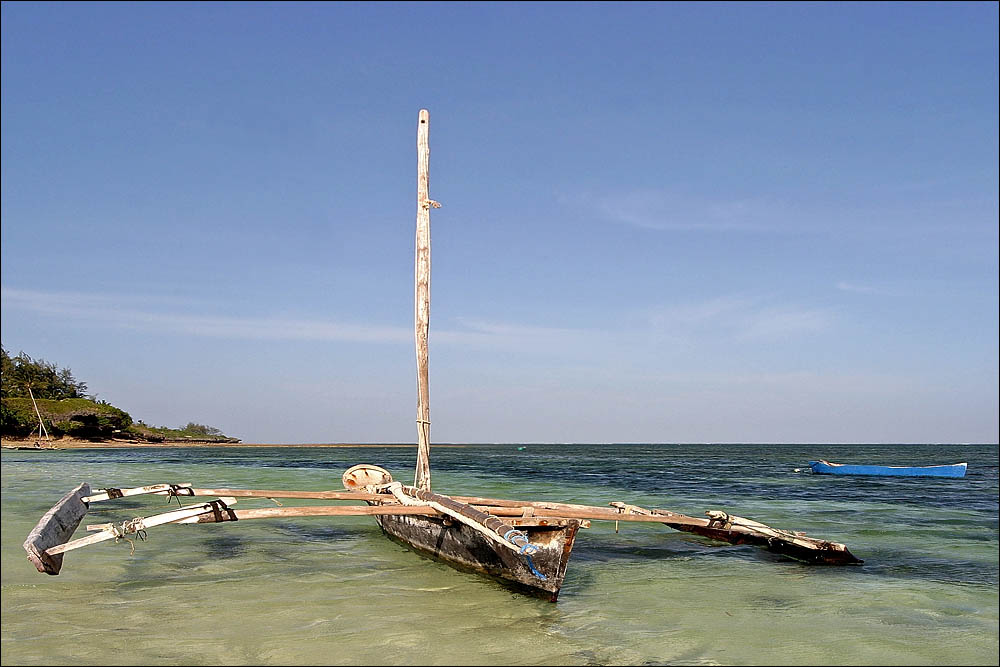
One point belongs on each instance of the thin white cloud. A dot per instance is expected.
(120, 312)
(743, 318)
(170, 315)
(845, 286)
(732, 317)
(673, 211)
(508, 330)
(781, 322)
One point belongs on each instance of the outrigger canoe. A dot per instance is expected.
(826, 468)
(524, 544)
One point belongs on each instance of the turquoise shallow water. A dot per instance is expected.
(333, 591)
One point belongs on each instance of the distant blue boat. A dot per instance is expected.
(827, 468)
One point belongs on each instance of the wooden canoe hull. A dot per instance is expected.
(56, 527)
(827, 468)
(463, 548)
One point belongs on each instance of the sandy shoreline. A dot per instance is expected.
(70, 443)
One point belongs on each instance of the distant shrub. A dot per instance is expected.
(16, 420)
(200, 429)
(191, 431)
(75, 417)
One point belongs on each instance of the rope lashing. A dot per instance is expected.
(429, 204)
(113, 493)
(175, 491)
(520, 538)
(719, 519)
(534, 570)
(127, 527)
(218, 507)
(527, 549)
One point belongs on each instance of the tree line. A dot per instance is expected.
(45, 379)
(67, 409)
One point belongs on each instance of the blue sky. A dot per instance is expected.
(660, 222)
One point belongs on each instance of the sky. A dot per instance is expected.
(660, 222)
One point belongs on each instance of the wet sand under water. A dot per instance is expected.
(75, 443)
(334, 591)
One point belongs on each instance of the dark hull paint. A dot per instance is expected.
(463, 548)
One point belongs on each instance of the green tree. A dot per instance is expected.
(6, 373)
(201, 429)
(45, 379)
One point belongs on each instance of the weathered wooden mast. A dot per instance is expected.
(422, 301)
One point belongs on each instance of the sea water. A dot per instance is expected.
(334, 591)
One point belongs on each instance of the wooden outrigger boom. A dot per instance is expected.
(47, 543)
(526, 544)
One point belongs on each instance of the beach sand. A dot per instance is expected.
(73, 443)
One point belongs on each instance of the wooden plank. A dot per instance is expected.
(550, 509)
(110, 494)
(317, 510)
(494, 505)
(187, 490)
(516, 515)
(301, 495)
(574, 511)
(54, 528)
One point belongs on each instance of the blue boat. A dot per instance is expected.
(826, 468)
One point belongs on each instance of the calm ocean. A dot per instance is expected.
(333, 591)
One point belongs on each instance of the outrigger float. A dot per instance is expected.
(523, 544)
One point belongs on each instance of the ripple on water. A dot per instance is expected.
(334, 591)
